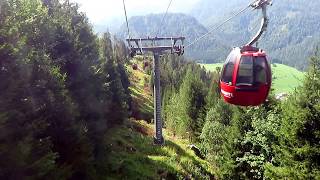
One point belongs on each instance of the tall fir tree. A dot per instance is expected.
(297, 155)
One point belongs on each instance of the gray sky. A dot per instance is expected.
(100, 11)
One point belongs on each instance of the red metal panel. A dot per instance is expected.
(246, 95)
(235, 71)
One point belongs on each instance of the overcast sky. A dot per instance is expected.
(100, 11)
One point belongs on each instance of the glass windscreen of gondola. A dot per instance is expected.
(245, 72)
(229, 67)
(260, 70)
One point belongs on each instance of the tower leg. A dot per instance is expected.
(158, 138)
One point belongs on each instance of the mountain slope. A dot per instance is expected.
(292, 35)
(132, 154)
(177, 24)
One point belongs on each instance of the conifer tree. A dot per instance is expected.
(298, 150)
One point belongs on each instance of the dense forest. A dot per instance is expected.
(178, 24)
(292, 34)
(291, 37)
(277, 140)
(63, 89)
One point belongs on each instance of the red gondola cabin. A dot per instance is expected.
(246, 77)
(135, 66)
(145, 64)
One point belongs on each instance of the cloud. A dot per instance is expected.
(100, 11)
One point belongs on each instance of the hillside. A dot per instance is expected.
(174, 24)
(286, 40)
(292, 34)
(132, 153)
(72, 107)
(285, 78)
(177, 24)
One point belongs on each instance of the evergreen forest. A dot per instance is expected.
(72, 107)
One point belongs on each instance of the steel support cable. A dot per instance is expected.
(218, 26)
(163, 18)
(125, 13)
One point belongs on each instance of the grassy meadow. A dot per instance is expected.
(284, 78)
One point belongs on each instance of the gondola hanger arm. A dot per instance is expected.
(260, 4)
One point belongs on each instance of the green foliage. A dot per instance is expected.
(214, 90)
(298, 148)
(290, 39)
(186, 108)
(183, 95)
(63, 89)
(57, 92)
(133, 156)
(174, 116)
(213, 132)
(291, 36)
(256, 145)
(272, 141)
(208, 51)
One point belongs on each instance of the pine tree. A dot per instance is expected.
(56, 94)
(191, 104)
(298, 150)
(214, 91)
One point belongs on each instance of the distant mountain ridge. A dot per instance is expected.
(291, 38)
(176, 24)
(292, 34)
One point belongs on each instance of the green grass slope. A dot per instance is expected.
(285, 78)
(131, 152)
(142, 107)
(132, 155)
